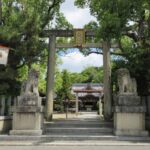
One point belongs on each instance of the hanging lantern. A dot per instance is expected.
(4, 51)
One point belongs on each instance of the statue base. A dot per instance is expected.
(26, 132)
(129, 124)
(129, 116)
(27, 120)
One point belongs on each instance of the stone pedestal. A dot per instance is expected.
(129, 116)
(27, 115)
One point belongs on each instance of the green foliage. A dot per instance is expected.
(65, 92)
(114, 16)
(137, 60)
(22, 23)
(126, 22)
(8, 83)
(88, 75)
(64, 80)
(62, 23)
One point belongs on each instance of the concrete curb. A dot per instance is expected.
(87, 143)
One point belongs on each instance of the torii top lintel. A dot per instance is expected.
(70, 33)
(66, 33)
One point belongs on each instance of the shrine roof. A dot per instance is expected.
(85, 89)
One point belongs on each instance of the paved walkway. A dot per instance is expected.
(84, 115)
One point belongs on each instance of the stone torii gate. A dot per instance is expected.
(80, 36)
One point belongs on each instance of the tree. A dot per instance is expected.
(65, 79)
(65, 91)
(137, 61)
(88, 75)
(114, 16)
(93, 75)
(22, 23)
(125, 21)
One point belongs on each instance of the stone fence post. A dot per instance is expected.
(2, 105)
(5, 105)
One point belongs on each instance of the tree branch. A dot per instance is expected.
(20, 66)
(112, 53)
(53, 5)
(49, 13)
(132, 35)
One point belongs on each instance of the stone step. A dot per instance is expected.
(48, 138)
(78, 131)
(77, 125)
(79, 121)
(78, 118)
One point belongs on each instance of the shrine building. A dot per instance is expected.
(88, 94)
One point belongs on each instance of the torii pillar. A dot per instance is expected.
(107, 81)
(77, 104)
(50, 77)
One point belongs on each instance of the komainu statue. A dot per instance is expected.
(28, 111)
(29, 91)
(126, 84)
(31, 85)
(128, 107)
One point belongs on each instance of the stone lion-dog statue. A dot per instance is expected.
(127, 85)
(29, 90)
(31, 84)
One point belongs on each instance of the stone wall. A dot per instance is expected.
(147, 101)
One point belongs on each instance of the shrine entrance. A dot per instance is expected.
(80, 36)
(88, 97)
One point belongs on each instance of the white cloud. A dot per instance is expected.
(76, 16)
(76, 62)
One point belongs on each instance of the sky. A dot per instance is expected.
(76, 62)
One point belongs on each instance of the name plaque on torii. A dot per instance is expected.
(79, 38)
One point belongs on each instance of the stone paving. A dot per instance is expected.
(85, 115)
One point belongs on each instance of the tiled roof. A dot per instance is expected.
(84, 89)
